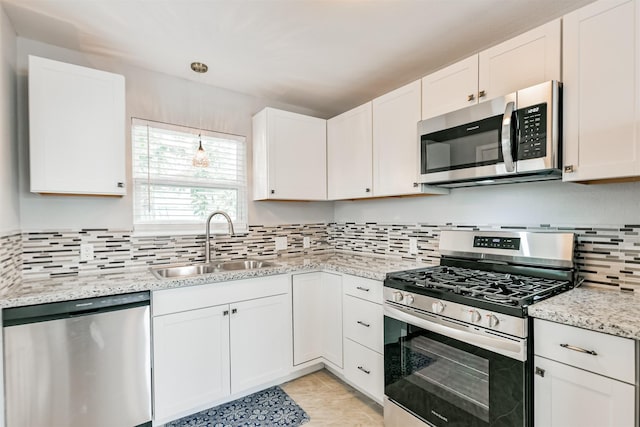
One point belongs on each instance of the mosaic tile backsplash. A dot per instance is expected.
(10, 260)
(605, 255)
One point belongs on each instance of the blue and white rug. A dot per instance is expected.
(266, 408)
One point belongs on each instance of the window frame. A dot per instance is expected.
(173, 227)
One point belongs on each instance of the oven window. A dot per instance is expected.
(473, 144)
(450, 383)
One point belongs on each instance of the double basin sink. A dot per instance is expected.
(189, 270)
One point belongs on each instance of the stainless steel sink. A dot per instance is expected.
(189, 270)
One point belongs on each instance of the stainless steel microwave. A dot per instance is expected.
(513, 138)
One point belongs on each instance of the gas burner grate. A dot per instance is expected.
(509, 289)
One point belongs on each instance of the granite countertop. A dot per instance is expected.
(602, 310)
(41, 291)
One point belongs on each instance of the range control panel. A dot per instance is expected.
(532, 123)
(512, 243)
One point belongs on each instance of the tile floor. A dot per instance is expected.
(330, 402)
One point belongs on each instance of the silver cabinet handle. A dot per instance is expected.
(540, 371)
(569, 169)
(360, 322)
(506, 137)
(360, 288)
(471, 97)
(578, 349)
(364, 370)
(482, 94)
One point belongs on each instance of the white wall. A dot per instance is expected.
(152, 96)
(9, 202)
(554, 203)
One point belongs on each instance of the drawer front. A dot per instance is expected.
(194, 297)
(614, 356)
(364, 368)
(360, 287)
(363, 322)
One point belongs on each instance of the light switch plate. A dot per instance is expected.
(86, 252)
(306, 242)
(413, 245)
(281, 243)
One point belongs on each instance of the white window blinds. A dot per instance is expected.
(170, 193)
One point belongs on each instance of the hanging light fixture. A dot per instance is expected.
(200, 159)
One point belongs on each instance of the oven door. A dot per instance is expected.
(445, 381)
(471, 143)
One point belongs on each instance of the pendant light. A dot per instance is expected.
(200, 159)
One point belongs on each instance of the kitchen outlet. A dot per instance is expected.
(413, 245)
(86, 252)
(281, 243)
(306, 242)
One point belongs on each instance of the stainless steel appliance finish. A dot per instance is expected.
(513, 138)
(456, 335)
(79, 363)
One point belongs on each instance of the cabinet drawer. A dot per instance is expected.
(363, 288)
(363, 322)
(194, 297)
(364, 368)
(614, 356)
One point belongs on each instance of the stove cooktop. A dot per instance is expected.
(501, 292)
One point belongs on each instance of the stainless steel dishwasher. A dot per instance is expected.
(79, 363)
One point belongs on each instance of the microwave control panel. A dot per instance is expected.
(532, 125)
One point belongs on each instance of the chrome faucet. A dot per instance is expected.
(207, 244)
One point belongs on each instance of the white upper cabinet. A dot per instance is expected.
(289, 156)
(395, 147)
(602, 91)
(349, 154)
(523, 61)
(526, 60)
(451, 88)
(76, 129)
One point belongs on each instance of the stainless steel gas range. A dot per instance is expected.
(458, 346)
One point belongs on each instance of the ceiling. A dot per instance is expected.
(324, 55)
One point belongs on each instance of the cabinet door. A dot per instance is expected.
(260, 341)
(331, 288)
(569, 397)
(190, 361)
(395, 147)
(349, 154)
(523, 61)
(76, 129)
(290, 156)
(308, 316)
(451, 88)
(602, 91)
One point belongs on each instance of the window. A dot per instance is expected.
(170, 193)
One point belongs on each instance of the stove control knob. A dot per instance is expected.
(437, 307)
(493, 320)
(409, 299)
(398, 297)
(474, 316)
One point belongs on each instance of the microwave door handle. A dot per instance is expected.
(507, 155)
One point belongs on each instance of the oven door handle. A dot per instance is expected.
(515, 348)
(507, 144)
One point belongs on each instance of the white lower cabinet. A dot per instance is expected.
(191, 360)
(204, 353)
(317, 317)
(363, 331)
(260, 341)
(583, 378)
(570, 397)
(364, 368)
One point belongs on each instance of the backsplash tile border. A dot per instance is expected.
(606, 255)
